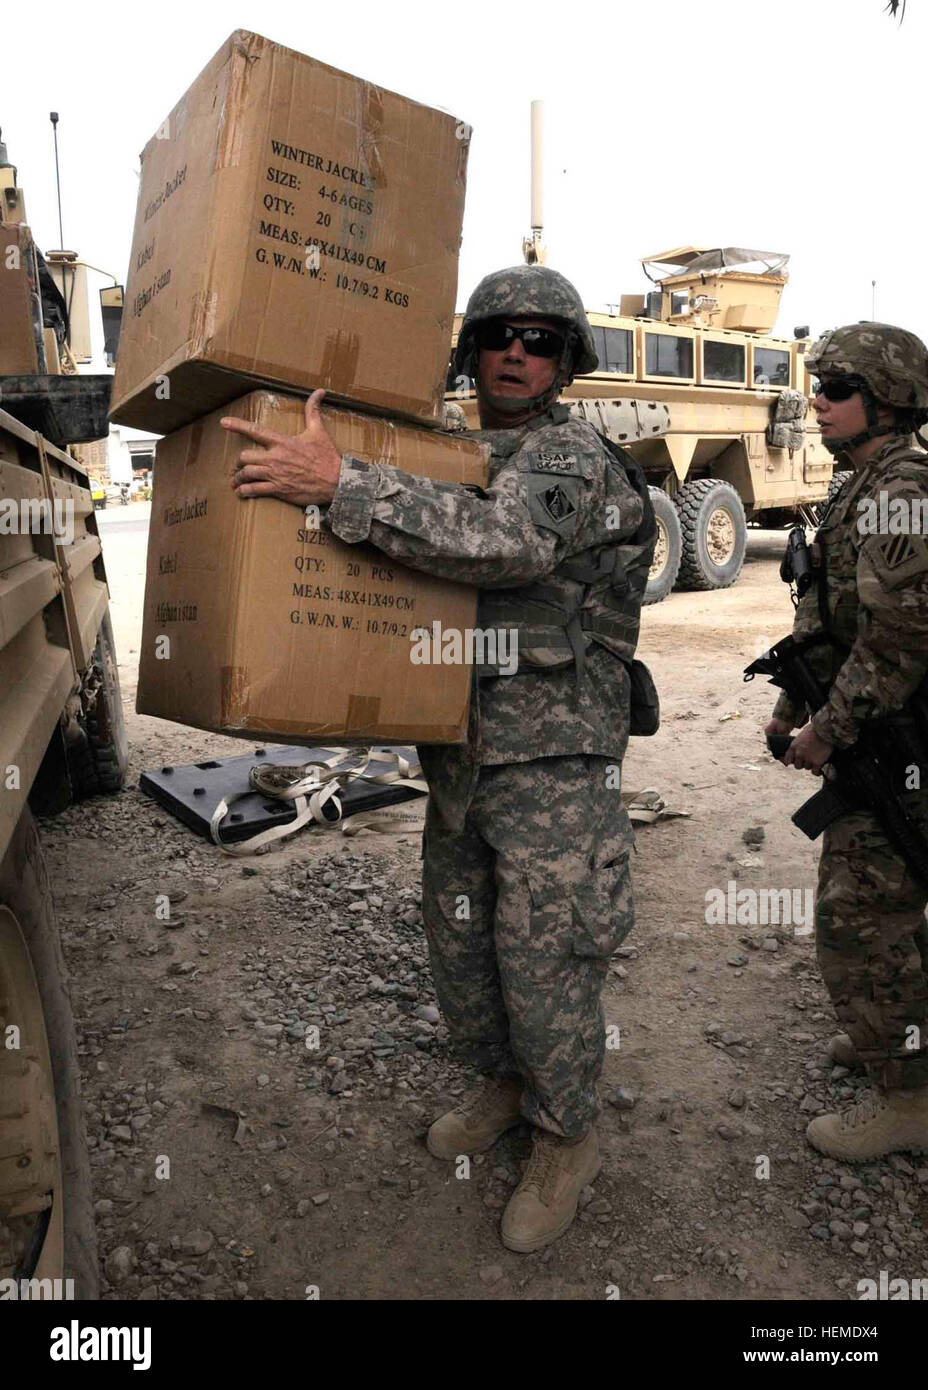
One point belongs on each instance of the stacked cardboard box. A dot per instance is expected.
(274, 626)
(296, 227)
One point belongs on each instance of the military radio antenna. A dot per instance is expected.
(53, 117)
(533, 249)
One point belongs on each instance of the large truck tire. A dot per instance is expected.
(668, 549)
(40, 1081)
(715, 534)
(98, 760)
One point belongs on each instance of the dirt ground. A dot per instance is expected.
(231, 1161)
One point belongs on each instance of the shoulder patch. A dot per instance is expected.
(896, 551)
(897, 559)
(553, 503)
(575, 463)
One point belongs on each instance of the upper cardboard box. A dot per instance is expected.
(296, 226)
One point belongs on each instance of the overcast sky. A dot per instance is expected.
(793, 125)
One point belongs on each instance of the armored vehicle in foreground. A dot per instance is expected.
(62, 737)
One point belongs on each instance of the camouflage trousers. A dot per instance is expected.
(873, 946)
(525, 895)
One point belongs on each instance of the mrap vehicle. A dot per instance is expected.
(62, 737)
(693, 383)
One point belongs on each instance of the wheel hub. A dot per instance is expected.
(720, 537)
(661, 551)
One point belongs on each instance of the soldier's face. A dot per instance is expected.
(514, 372)
(840, 419)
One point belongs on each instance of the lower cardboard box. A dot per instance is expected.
(259, 622)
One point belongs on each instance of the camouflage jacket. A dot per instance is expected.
(506, 540)
(876, 594)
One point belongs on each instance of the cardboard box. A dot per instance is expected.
(18, 352)
(295, 226)
(277, 628)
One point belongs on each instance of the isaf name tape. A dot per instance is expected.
(566, 464)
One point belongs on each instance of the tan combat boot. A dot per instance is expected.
(883, 1122)
(545, 1202)
(842, 1051)
(477, 1121)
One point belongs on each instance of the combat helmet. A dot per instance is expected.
(529, 291)
(889, 366)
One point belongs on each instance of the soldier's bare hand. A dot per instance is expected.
(298, 468)
(778, 726)
(808, 751)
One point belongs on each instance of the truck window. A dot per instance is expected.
(614, 349)
(723, 361)
(668, 356)
(771, 365)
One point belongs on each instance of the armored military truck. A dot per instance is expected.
(716, 409)
(62, 738)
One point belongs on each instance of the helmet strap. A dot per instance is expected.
(518, 405)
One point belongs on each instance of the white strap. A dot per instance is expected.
(311, 786)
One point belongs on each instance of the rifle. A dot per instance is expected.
(864, 776)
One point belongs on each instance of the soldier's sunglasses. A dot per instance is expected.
(840, 388)
(496, 335)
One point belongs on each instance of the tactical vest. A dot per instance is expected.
(593, 596)
(830, 608)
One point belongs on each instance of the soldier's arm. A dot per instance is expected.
(785, 708)
(889, 659)
(515, 531)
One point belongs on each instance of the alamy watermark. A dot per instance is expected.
(760, 907)
(36, 1290)
(33, 516)
(451, 646)
(883, 515)
(893, 1290)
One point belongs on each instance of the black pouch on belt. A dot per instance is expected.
(646, 706)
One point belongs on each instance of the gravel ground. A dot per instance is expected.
(261, 1064)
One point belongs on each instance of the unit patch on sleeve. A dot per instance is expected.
(554, 505)
(896, 550)
(897, 560)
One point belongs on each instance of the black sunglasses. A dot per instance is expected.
(495, 335)
(839, 388)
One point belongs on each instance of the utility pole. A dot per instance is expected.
(873, 300)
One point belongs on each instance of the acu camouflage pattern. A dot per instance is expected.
(519, 542)
(542, 866)
(870, 925)
(892, 361)
(526, 291)
(521, 820)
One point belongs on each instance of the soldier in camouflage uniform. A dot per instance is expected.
(871, 599)
(526, 890)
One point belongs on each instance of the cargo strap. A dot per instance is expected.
(313, 786)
